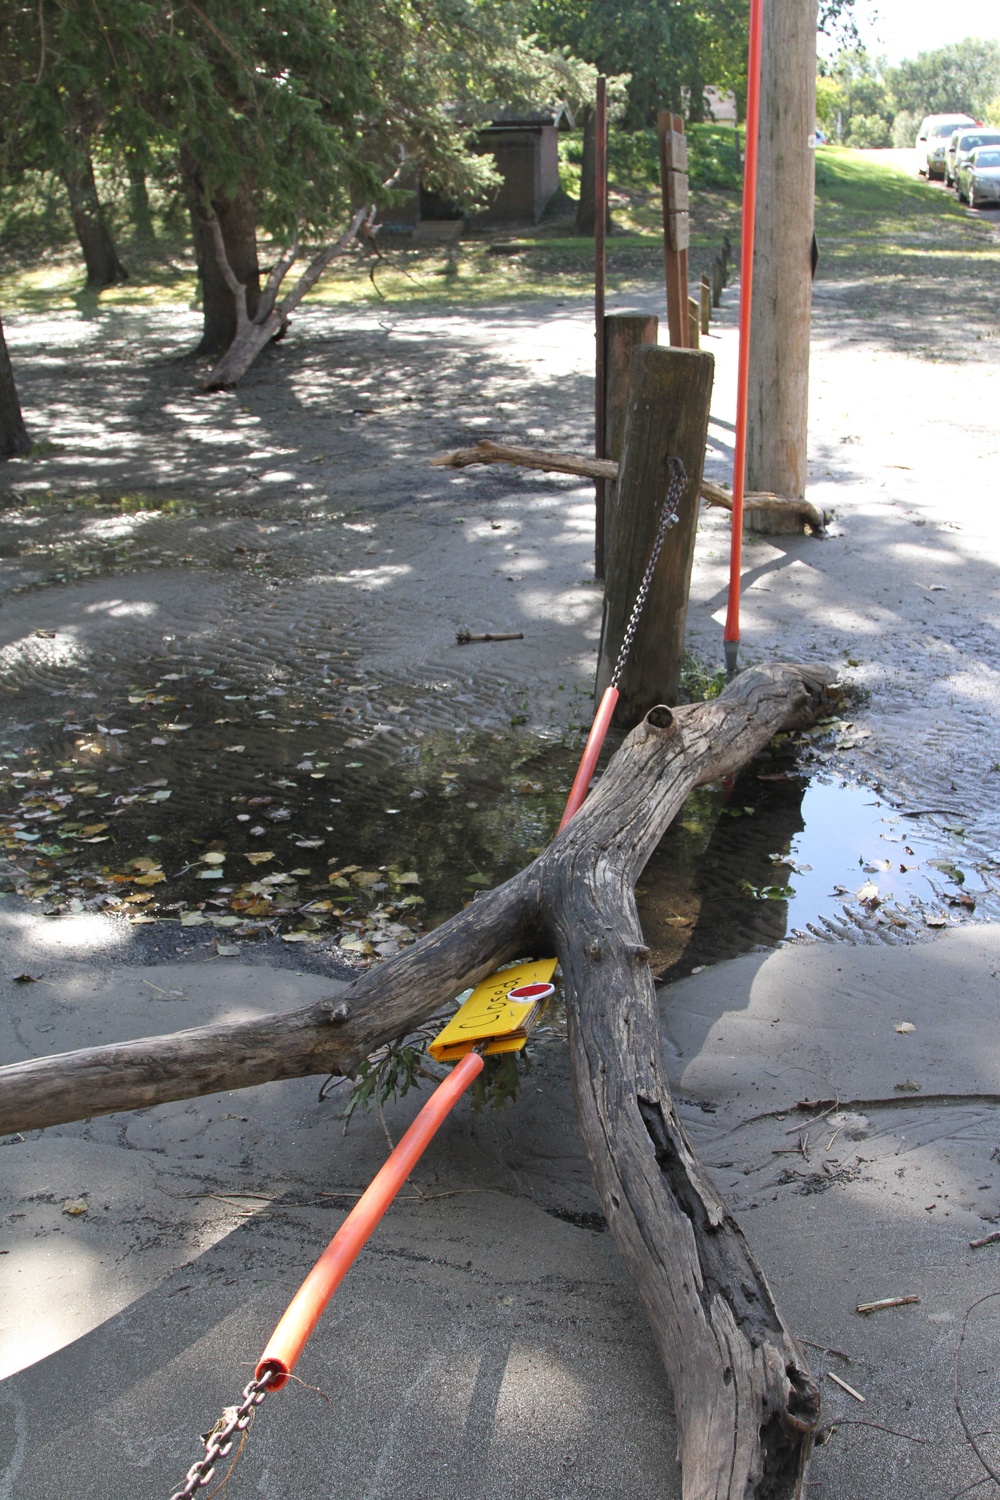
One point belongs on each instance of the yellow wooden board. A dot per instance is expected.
(489, 1017)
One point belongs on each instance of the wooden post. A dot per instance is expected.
(705, 299)
(667, 416)
(779, 340)
(727, 255)
(717, 281)
(694, 323)
(600, 230)
(676, 233)
(623, 333)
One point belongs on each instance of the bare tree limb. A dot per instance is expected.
(319, 262)
(275, 277)
(233, 282)
(486, 452)
(745, 1401)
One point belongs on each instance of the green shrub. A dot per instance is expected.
(869, 131)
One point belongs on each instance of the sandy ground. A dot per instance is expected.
(489, 1339)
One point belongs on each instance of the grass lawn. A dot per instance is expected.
(875, 224)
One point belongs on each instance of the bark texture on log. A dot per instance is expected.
(746, 1404)
(14, 439)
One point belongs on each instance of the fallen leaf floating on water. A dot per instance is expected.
(868, 893)
(213, 857)
(74, 1207)
(260, 856)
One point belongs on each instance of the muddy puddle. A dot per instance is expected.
(223, 815)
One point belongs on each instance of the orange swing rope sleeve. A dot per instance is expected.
(307, 1306)
(592, 749)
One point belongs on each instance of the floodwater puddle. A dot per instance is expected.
(225, 815)
(783, 853)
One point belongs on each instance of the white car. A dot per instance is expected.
(961, 146)
(979, 178)
(932, 142)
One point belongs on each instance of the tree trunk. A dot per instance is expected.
(746, 1405)
(782, 292)
(14, 439)
(138, 197)
(271, 320)
(99, 252)
(237, 220)
(248, 341)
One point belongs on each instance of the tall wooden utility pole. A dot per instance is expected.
(782, 290)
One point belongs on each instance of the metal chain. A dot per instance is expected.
(668, 518)
(219, 1442)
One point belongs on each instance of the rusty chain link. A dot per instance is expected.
(219, 1442)
(668, 518)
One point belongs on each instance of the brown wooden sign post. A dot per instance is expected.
(676, 229)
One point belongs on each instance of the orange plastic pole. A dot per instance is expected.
(731, 635)
(307, 1306)
(592, 749)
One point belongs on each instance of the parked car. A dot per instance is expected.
(979, 178)
(932, 142)
(961, 147)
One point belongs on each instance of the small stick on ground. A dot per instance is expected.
(465, 637)
(844, 1386)
(870, 1307)
(988, 1239)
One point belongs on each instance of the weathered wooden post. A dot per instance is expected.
(779, 338)
(670, 391)
(676, 227)
(727, 255)
(705, 298)
(623, 333)
(717, 281)
(694, 323)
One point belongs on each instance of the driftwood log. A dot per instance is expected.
(746, 1404)
(486, 452)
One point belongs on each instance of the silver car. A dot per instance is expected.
(979, 178)
(932, 141)
(961, 147)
